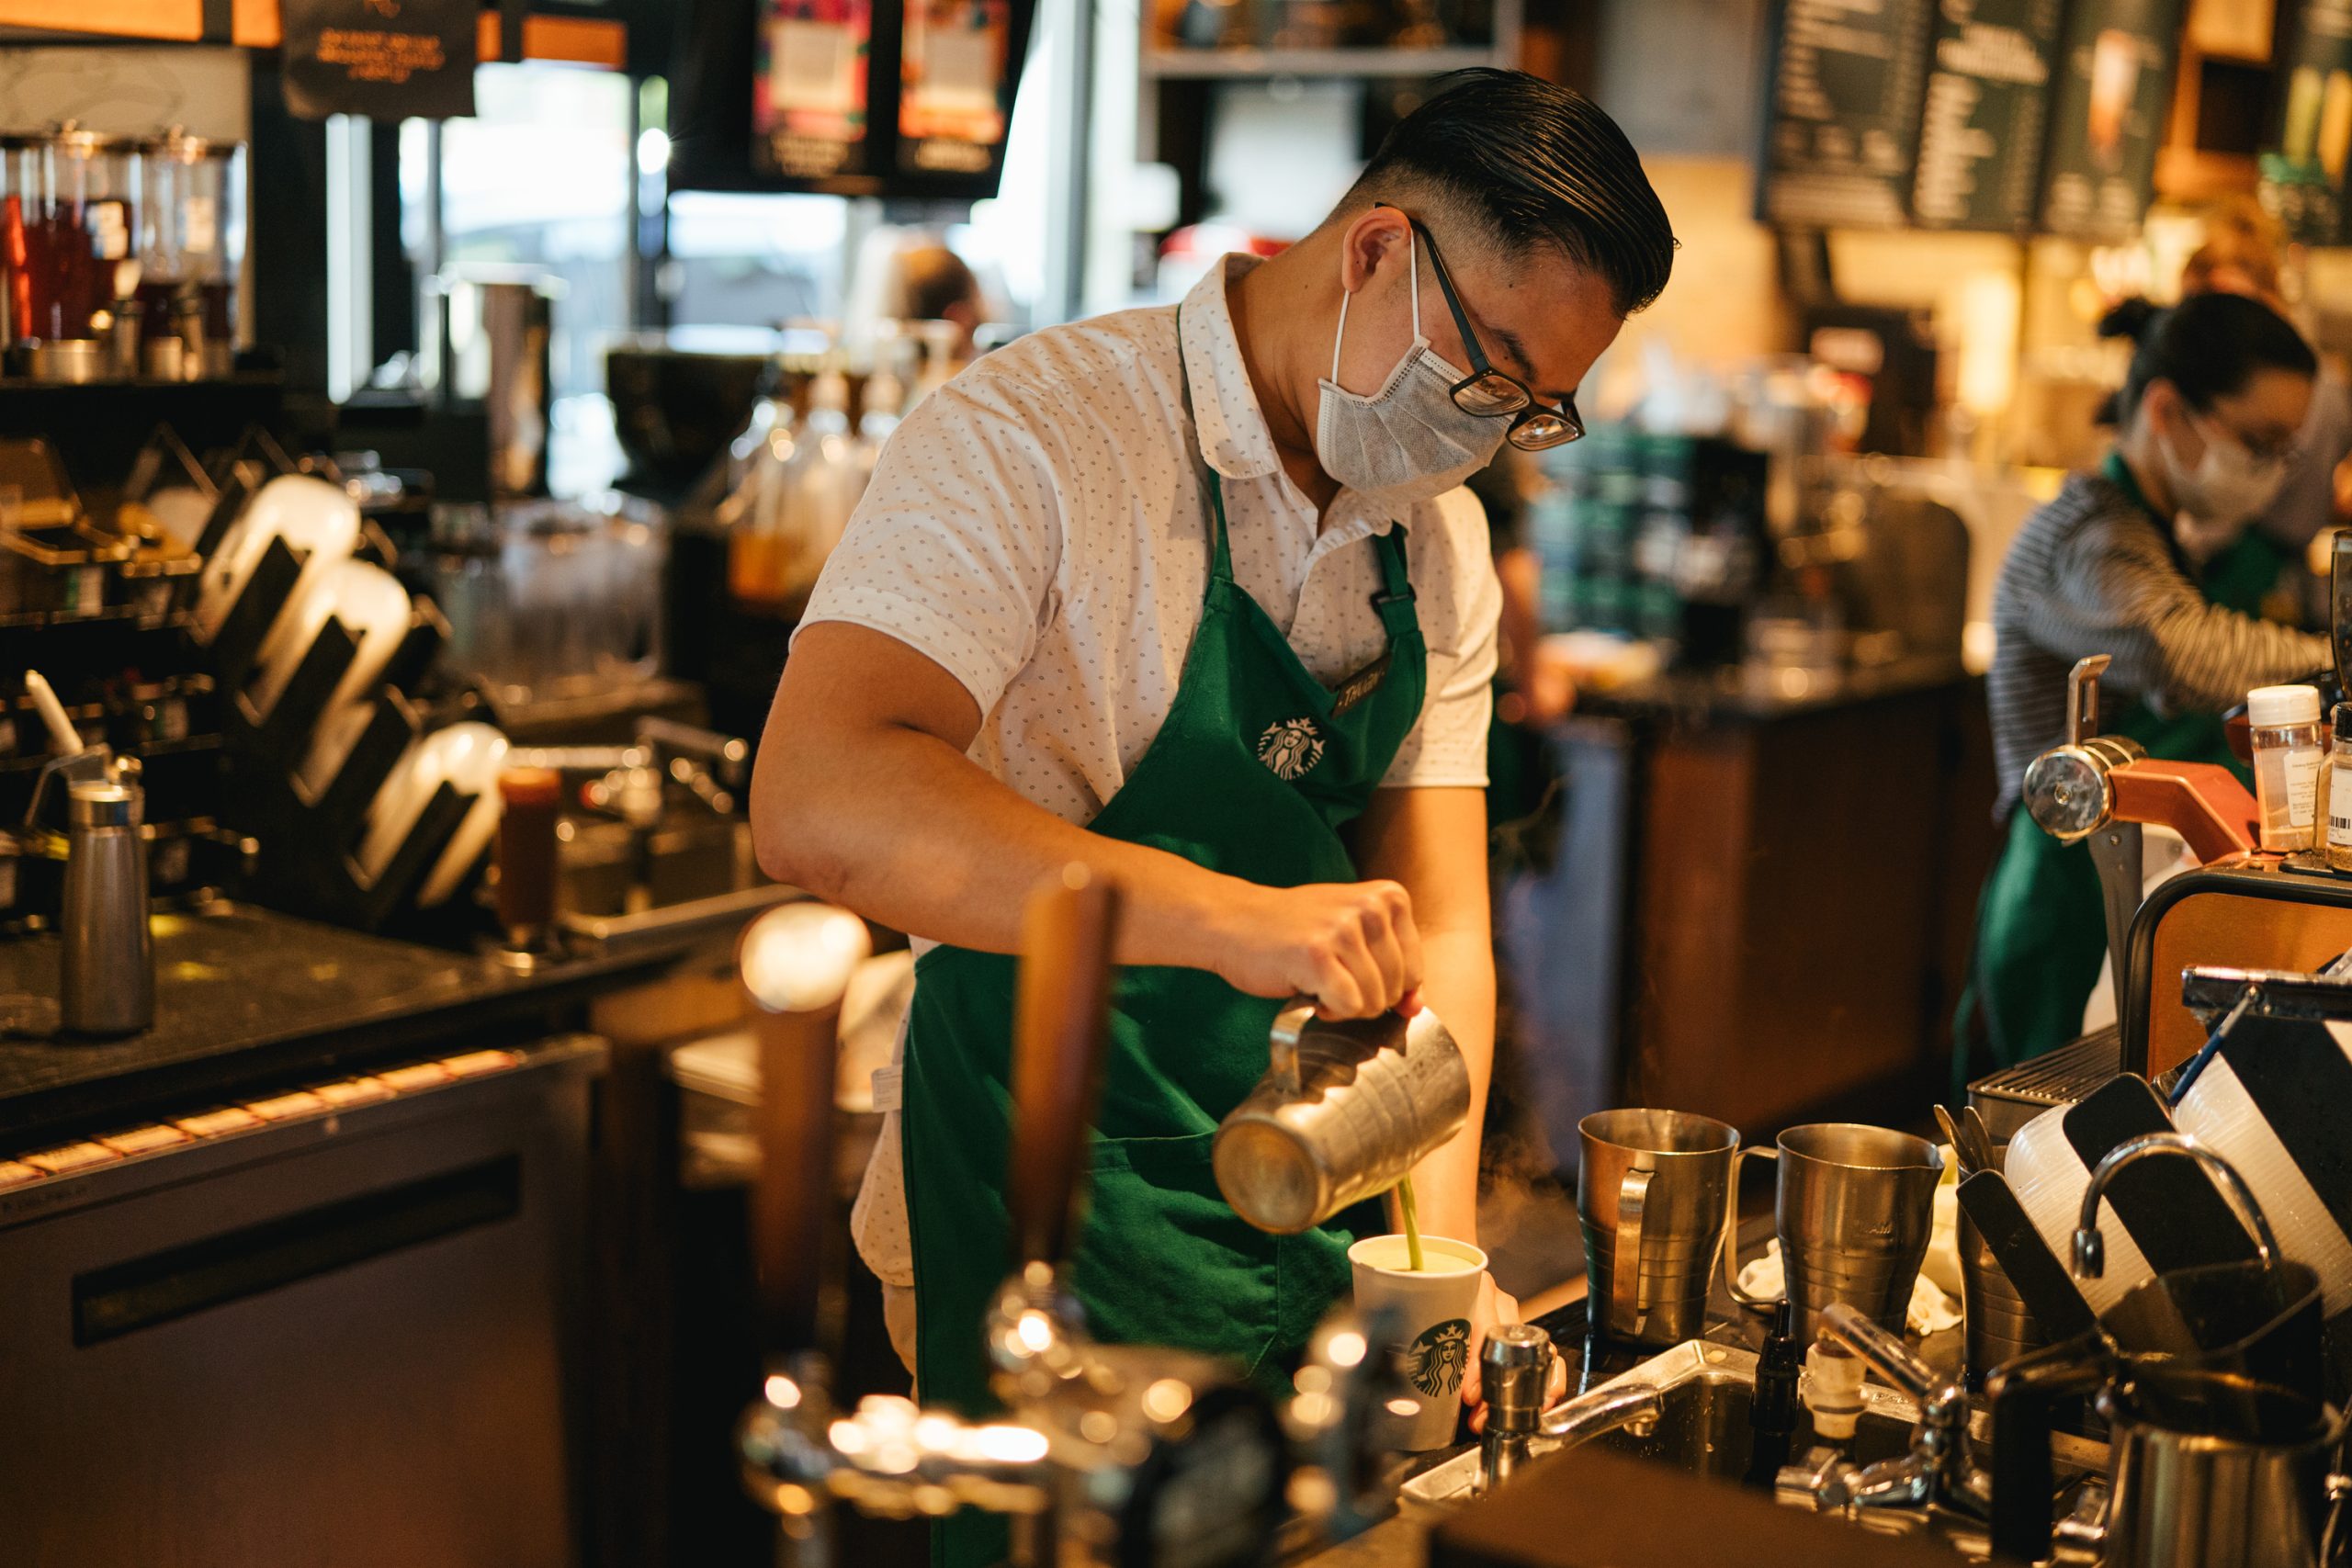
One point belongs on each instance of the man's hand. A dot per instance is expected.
(1497, 1306)
(1351, 946)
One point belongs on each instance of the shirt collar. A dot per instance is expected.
(1232, 429)
(1234, 437)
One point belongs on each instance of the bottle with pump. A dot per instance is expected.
(827, 477)
(753, 511)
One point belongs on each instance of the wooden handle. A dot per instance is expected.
(1057, 1039)
(796, 963)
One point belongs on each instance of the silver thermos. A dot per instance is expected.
(108, 983)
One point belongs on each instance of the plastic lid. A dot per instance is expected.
(2275, 707)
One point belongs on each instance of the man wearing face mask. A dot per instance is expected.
(2130, 561)
(1193, 594)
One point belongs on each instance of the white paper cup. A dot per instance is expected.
(1431, 1331)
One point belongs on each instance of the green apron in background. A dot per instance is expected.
(1254, 772)
(2041, 924)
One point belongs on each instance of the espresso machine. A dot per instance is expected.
(2239, 910)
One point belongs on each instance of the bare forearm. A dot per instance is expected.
(909, 832)
(864, 795)
(1461, 988)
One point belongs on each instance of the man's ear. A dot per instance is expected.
(1376, 236)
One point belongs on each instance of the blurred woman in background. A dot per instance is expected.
(2134, 561)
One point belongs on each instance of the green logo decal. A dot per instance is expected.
(1438, 1358)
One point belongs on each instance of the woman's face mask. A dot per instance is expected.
(2226, 487)
(1407, 442)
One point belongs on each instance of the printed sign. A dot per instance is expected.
(1980, 129)
(1843, 130)
(385, 59)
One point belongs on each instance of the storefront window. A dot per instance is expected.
(754, 260)
(539, 178)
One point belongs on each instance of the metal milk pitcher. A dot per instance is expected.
(1345, 1110)
(2197, 1499)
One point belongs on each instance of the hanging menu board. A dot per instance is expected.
(2113, 83)
(2305, 185)
(952, 98)
(1843, 126)
(1980, 126)
(808, 92)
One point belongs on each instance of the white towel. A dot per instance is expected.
(1931, 1311)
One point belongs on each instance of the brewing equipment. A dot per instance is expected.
(1123, 1453)
(1346, 1109)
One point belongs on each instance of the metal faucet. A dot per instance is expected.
(1938, 1472)
(2090, 1248)
(1514, 1370)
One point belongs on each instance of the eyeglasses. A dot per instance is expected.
(2275, 451)
(1488, 392)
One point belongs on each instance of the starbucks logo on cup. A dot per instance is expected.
(1290, 746)
(1436, 1360)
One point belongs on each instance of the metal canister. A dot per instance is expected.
(2000, 1326)
(1345, 1111)
(109, 980)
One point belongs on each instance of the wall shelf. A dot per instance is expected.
(1218, 64)
(254, 24)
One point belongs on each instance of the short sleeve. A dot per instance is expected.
(1461, 601)
(954, 548)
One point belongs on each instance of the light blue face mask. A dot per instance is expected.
(1409, 441)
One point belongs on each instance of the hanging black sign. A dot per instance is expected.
(1842, 129)
(2303, 180)
(2114, 80)
(384, 59)
(1980, 132)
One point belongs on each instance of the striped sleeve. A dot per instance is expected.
(2114, 590)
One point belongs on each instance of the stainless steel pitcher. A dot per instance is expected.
(1853, 1212)
(2196, 1499)
(1653, 1191)
(1345, 1110)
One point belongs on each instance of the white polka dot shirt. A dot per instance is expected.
(1039, 529)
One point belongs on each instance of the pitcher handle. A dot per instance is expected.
(1731, 1233)
(1283, 1043)
(1624, 1281)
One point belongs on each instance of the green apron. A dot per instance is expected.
(2041, 925)
(1254, 772)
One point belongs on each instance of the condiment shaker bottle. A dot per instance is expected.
(108, 982)
(2284, 721)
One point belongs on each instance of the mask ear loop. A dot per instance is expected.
(1413, 273)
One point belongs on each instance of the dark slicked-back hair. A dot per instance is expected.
(1537, 165)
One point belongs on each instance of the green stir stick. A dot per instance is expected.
(1413, 1224)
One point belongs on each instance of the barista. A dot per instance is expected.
(2134, 560)
(1194, 594)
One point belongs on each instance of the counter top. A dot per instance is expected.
(1402, 1541)
(246, 996)
(1731, 695)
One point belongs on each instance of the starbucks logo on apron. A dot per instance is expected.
(1436, 1361)
(1290, 746)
